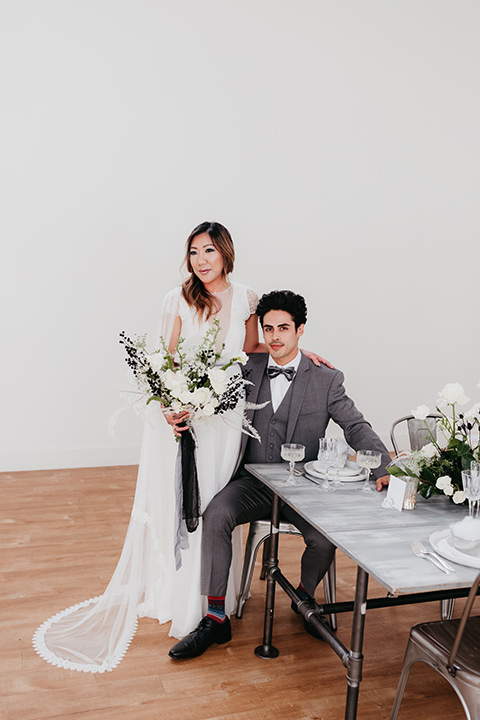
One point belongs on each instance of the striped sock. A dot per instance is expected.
(216, 608)
(303, 593)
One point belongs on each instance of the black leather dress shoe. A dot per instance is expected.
(207, 632)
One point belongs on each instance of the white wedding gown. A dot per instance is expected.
(94, 635)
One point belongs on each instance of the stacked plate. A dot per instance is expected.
(441, 541)
(351, 472)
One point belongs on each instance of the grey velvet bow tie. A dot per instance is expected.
(289, 372)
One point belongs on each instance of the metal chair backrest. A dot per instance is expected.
(420, 432)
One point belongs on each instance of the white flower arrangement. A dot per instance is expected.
(438, 469)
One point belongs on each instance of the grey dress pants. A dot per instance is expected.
(245, 499)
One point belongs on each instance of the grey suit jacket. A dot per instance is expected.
(318, 396)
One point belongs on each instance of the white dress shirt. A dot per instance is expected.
(279, 385)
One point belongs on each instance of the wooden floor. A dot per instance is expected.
(62, 532)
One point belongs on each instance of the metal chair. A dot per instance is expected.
(259, 532)
(420, 433)
(452, 648)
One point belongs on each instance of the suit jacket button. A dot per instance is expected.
(271, 445)
(273, 422)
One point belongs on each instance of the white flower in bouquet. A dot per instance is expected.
(429, 451)
(243, 359)
(421, 412)
(458, 497)
(174, 380)
(156, 361)
(218, 379)
(201, 396)
(185, 396)
(208, 409)
(452, 394)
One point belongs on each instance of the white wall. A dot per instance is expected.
(338, 141)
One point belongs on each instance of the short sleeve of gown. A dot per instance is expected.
(252, 298)
(170, 311)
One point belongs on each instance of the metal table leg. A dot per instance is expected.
(355, 656)
(267, 650)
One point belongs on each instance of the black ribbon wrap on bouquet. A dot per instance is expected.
(190, 489)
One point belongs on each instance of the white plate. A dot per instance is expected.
(349, 469)
(440, 540)
(310, 470)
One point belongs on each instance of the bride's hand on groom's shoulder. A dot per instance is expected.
(317, 359)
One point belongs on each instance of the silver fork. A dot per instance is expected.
(421, 551)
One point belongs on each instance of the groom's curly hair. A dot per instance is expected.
(285, 300)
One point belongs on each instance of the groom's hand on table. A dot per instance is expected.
(382, 482)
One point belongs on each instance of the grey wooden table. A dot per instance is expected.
(378, 540)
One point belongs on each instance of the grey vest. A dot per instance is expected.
(271, 426)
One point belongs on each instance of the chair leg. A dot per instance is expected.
(330, 590)
(411, 656)
(254, 540)
(446, 608)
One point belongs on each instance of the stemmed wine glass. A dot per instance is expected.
(467, 489)
(339, 460)
(368, 459)
(293, 453)
(471, 486)
(326, 454)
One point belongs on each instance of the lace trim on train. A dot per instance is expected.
(142, 609)
(107, 666)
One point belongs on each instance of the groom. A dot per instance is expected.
(303, 398)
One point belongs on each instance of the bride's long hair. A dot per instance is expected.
(193, 289)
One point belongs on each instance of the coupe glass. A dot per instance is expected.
(292, 453)
(326, 455)
(368, 459)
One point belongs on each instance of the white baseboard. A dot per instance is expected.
(67, 457)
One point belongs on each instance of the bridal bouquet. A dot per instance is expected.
(191, 382)
(438, 465)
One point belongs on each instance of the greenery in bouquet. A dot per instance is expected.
(191, 380)
(439, 464)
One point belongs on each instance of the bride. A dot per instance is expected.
(156, 576)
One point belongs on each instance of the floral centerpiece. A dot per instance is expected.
(439, 464)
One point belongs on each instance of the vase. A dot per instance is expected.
(410, 497)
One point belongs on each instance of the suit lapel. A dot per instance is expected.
(298, 394)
